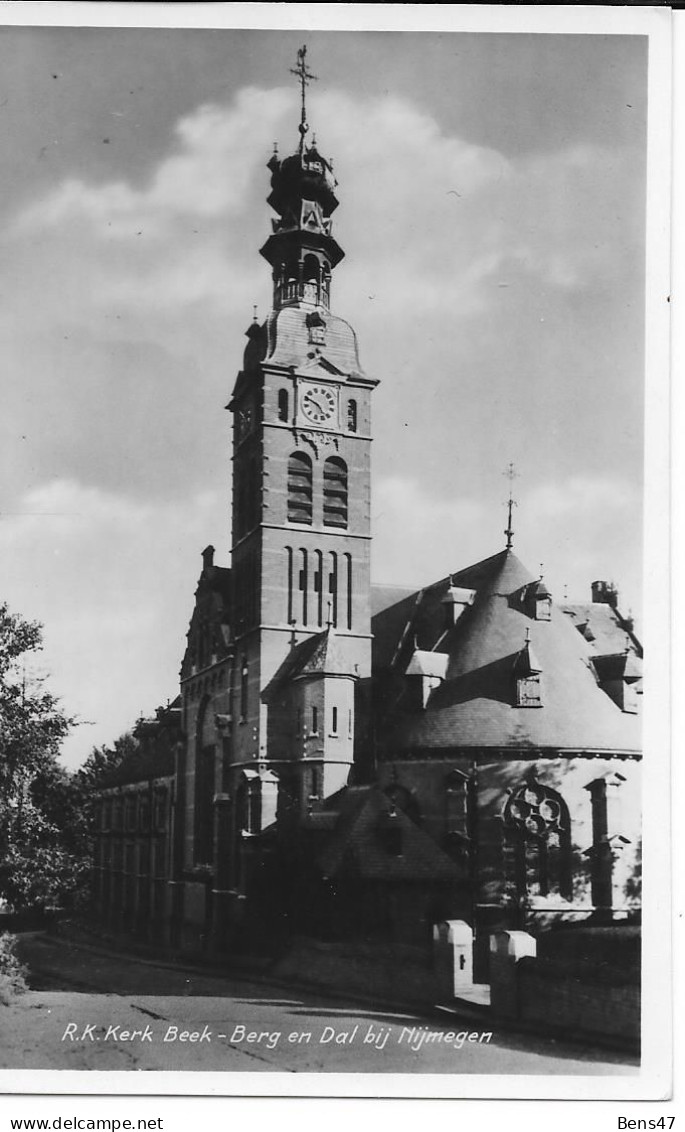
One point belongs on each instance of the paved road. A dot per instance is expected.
(91, 1011)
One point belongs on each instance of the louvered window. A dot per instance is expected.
(529, 691)
(299, 488)
(335, 492)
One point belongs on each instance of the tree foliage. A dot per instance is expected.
(46, 822)
(35, 869)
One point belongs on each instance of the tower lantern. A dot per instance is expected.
(301, 249)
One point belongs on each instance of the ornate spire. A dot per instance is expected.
(511, 503)
(302, 250)
(305, 77)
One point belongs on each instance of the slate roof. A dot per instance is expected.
(357, 846)
(288, 344)
(608, 630)
(320, 655)
(475, 704)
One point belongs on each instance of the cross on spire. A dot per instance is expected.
(305, 77)
(511, 503)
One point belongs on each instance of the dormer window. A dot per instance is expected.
(316, 326)
(543, 609)
(529, 692)
(537, 601)
(455, 602)
(528, 677)
(620, 676)
(426, 672)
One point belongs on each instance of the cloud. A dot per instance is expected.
(207, 176)
(583, 495)
(112, 581)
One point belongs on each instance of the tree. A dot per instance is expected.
(37, 868)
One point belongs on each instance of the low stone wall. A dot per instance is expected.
(594, 1001)
(568, 994)
(400, 973)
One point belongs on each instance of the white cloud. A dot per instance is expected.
(582, 496)
(430, 218)
(112, 581)
(208, 175)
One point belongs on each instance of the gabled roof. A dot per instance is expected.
(475, 705)
(357, 846)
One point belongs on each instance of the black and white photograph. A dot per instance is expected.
(333, 539)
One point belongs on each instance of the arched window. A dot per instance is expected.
(299, 488)
(348, 572)
(283, 405)
(204, 786)
(352, 416)
(311, 269)
(303, 582)
(537, 830)
(333, 588)
(318, 585)
(289, 554)
(335, 492)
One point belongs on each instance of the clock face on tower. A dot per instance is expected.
(318, 404)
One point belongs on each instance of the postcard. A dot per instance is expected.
(334, 588)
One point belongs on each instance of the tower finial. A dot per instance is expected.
(305, 77)
(511, 503)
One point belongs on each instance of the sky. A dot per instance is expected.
(492, 211)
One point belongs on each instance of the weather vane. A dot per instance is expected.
(511, 503)
(305, 77)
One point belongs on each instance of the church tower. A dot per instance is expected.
(301, 510)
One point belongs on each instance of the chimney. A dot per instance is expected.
(207, 557)
(605, 593)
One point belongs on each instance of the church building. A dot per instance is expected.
(350, 761)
